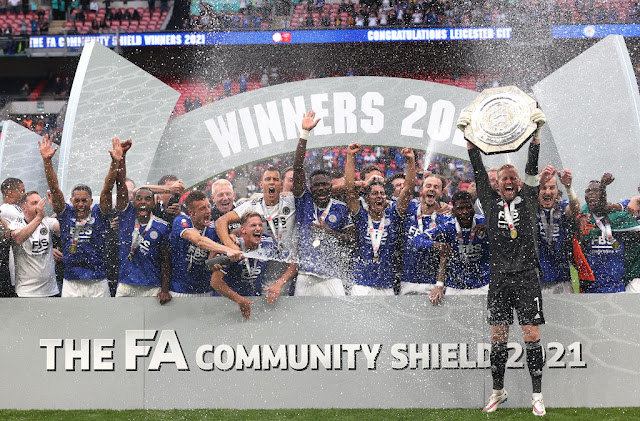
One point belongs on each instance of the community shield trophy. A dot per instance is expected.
(501, 120)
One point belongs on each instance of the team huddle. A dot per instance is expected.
(507, 238)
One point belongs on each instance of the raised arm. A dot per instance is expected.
(353, 201)
(406, 194)
(106, 202)
(273, 290)
(206, 243)
(47, 152)
(566, 178)
(122, 191)
(222, 228)
(22, 234)
(308, 123)
(177, 187)
(165, 274)
(531, 170)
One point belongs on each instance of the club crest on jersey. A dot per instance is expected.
(153, 235)
(517, 200)
(286, 210)
(185, 224)
(43, 231)
(332, 218)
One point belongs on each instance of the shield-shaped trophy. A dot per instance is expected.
(501, 120)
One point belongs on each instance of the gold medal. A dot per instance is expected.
(316, 242)
(514, 233)
(130, 256)
(376, 259)
(615, 244)
(73, 248)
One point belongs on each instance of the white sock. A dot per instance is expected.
(536, 396)
(498, 392)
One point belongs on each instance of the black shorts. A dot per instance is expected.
(519, 291)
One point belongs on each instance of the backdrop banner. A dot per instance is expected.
(303, 352)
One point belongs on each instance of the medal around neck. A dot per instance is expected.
(501, 120)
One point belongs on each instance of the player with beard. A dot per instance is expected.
(278, 218)
(244, 277)
(555, 231)
(324, 226)
(143, 243)
(83, 228)
(192, 238)
(377, 227)
(420, 265)
(511, 219)
(468, 266)
(611, 246)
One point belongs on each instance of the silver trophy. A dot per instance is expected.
(501, 120)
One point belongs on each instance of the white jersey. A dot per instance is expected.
(35, 269)
(283, 219)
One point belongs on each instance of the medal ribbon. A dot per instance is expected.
(459, 231)
(324, 214)
(269, 218)
(76, 232)
(548, 226)
(432, 225)
(376, 234)
(605, 229)
(507, 214)
(136, 236)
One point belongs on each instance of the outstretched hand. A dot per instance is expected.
(547, 173)
(117, 152)
(566, 178)
(308, 122)
(46, 151)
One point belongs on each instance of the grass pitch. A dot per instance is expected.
(582, 414)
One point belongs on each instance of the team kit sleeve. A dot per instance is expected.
(483, 185)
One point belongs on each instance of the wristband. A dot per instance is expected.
(304, 134)
(571, 194)
(440, 284)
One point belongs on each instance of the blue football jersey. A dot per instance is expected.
(552, 244)
(144, 267)
(607, 264)
(87, 260)
(246, 276)
(468, 266)
(319, 252)
(366, 269)
(189, 273)
(420, 265)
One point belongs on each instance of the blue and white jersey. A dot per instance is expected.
(189, 273)
(87, 261)
(624, 205)
(468, 266)
(367, 270)
(420, 266)
(319, 252)
(552, 238)
(246, 276)
(607, 264)
(144, 267)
